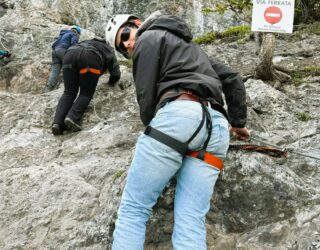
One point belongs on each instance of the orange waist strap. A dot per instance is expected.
(208, 158)
(91, 70)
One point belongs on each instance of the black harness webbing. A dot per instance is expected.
(167, 140)
(182, 147)
(209, 127)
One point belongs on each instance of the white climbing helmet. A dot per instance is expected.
(114, 25)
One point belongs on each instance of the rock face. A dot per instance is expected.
(63, 192)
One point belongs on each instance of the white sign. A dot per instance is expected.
(272, 16)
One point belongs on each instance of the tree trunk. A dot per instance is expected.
(266, 71)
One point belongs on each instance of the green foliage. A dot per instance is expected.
(239, 5)
(205, 39)
(235, 32)
(118, 174)
(310, 70)
(127, 63)
(206, 10)
(221, 8)
(299, 74)
(303, 116)
(306, 11)
(238, 31)
(297, 81)
(312, 28)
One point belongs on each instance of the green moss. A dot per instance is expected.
(297, 81)
(299, 74)
(127, 63)
(312, 28)
(238, 31)
(118, 174)
(206, 10)
(221, 8)
(303, 116)
(205, 39)
(235, 32)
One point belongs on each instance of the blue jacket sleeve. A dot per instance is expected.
(74, 39)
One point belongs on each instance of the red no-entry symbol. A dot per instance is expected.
(273, 14)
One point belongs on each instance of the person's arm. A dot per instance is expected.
(74, 39)
(114, 70)
(235, 95)
(146, 58)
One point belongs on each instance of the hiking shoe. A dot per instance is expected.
(48, 89)
(57, 129)
(71, 125)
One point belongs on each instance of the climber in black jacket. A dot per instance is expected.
(180, 95)
(83, 64)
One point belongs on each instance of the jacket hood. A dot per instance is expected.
(173, 24)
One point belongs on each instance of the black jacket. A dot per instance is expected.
(165, 57)
(108, 59)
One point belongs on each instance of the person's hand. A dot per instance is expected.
(240, 133)
(113, 80)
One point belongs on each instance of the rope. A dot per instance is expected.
(283, 150)
(305, 155)
(274, 152)
(107, 121)
(3, 45)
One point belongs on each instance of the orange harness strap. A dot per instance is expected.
(208, 158)
(91, 70)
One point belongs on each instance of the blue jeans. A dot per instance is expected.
(57, 59)
(154, 164)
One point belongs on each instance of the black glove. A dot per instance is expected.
(111, 84)
(8, 54)
(113, 80)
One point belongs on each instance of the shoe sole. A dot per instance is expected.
(71, 125)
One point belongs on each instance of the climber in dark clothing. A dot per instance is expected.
(83, 64)
(66, 39)
(180, 95)
(4, 53)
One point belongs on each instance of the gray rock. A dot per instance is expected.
(63, 192)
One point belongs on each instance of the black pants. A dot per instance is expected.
(69, 104)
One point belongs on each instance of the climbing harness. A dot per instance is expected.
(182, 147)
(86, 47)
(208, 158)
(91, 70)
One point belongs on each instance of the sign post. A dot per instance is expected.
(272, 16)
